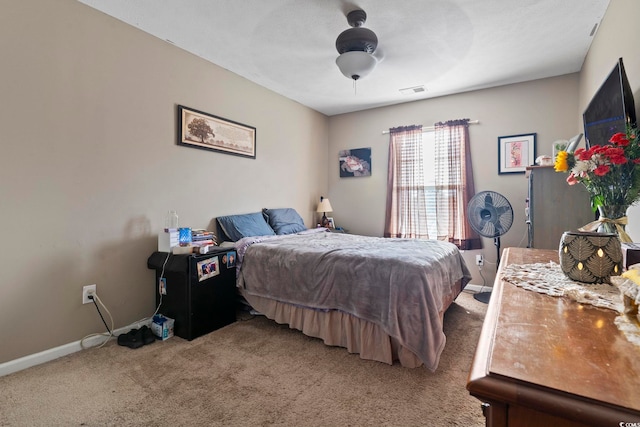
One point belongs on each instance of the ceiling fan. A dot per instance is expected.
(356, 47)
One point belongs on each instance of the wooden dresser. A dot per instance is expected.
(549, 361)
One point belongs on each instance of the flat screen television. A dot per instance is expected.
(610, 109)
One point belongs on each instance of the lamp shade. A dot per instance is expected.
(356, 64)
(324, 205)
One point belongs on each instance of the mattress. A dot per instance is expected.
(382, 298)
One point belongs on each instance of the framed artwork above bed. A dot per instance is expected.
(198, 129)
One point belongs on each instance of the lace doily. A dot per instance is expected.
(548, 278)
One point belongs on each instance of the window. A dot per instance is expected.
(429, 170)
(430, 183)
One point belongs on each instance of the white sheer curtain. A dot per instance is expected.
(454, 183)
(430, 202)
(406, 212)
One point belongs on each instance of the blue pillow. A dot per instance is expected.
(284, 221)
(245, 225)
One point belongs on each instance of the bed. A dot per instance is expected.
(381, 298)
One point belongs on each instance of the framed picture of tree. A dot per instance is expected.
(198, 129)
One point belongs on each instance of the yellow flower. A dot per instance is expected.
(561, 164)
(632, 274)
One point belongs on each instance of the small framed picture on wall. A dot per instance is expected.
(355, 162)
(516, 152)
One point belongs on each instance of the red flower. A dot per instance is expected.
(618, 159)
(582, 154)
(619, 139)
(616, 155)
(601, 170)
(614, 151)
(610, 171)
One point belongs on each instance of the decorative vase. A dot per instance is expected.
(612, 212)
(590, 257)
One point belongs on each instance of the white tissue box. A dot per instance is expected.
(162, 326)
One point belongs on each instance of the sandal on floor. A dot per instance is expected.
(132, 339)
(148, 337)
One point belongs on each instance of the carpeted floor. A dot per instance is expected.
(251, 373)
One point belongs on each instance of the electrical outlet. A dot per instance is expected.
(86, 291)
(479, 260)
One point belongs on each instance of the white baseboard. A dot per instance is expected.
(25, 362)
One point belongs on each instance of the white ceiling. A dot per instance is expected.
(449, 46)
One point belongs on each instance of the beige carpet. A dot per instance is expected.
(251, 373)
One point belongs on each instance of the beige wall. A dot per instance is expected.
(617, 37)
(547, 107)
(90, 165)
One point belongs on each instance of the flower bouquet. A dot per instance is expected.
(611, 175)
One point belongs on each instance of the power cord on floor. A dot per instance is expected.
(101, 316)
(495, 263)
(484, 280)
(108, 334)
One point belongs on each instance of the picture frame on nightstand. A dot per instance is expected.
(331, 223)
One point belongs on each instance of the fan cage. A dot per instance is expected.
(490, 214)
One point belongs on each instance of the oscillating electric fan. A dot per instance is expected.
(490, 214)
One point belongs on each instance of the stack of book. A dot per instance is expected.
(200, 237)
(203, 241)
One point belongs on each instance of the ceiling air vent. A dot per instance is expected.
(412, 90)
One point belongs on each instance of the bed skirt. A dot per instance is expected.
(337, 328)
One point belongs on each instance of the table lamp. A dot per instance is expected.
(324, 206)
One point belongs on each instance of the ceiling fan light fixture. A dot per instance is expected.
(356, 64)
(356, 47)
(358, 38)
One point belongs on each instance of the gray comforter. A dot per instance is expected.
(398, 284)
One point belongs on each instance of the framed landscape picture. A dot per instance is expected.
(198, 129)
(516, 152)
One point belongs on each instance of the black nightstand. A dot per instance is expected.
(200, 290)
